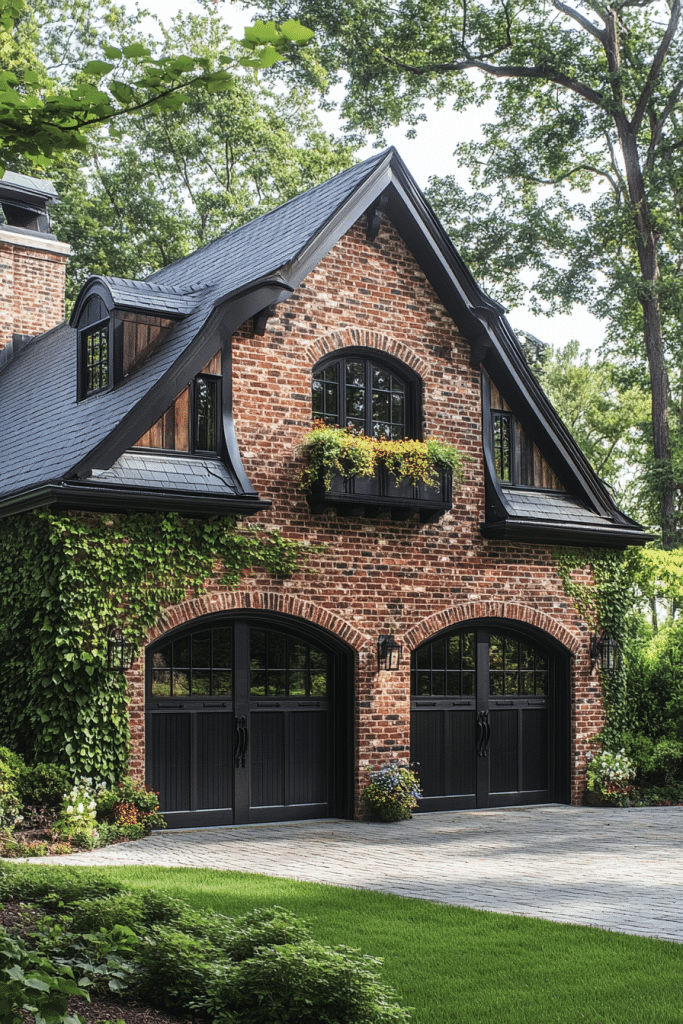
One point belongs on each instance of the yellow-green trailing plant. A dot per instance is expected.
(331, 449)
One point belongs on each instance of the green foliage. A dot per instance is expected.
(610, 775)
(392, 791)
(65, 579)
(302, 984)
(42, 117)
(30, 984)
(260, 967)
(129, 804)
(44, 785)
(12, 770)
(330, 449)
(53, 887)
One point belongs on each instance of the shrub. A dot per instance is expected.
(53, 887)
(610, 775)
(30, 984)
(135, 910)
(129, 803)
(301, 984)
(12, 769)
(44, 785)
(392, 791)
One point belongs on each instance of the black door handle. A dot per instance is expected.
(242, 742)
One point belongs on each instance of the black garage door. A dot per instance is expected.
(488, 719)
(245, 722)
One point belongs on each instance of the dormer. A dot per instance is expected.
(119, 324)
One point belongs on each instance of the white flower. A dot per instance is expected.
(69, 809)
(80, 808)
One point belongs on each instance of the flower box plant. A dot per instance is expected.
(609, 777)
(331, 449)
(392, 791)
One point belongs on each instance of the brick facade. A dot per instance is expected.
(32, 278)
(378, 575)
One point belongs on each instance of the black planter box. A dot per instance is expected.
(369, 496)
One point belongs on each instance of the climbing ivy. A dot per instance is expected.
(65, 580)
(606, 603)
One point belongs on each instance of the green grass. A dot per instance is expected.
(460, 966)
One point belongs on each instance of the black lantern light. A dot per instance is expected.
(120, 652)
(604, 650)
(389, 652)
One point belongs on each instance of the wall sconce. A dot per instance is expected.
(120, 652)
(389, 652)
(605, 650)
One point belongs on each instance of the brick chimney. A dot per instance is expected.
(32, 261)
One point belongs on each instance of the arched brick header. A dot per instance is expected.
(352, 336)
(286, 604)
(511, 611)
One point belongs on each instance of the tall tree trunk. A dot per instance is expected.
(652, 330)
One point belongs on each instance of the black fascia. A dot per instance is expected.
(532, 531)
(88, 496)
(219, 326)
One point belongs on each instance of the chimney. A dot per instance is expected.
(32, 261)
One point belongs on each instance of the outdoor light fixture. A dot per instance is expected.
(120, 653)
(389, 652)
(605, 650)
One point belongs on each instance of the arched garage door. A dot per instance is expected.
(489, 718)
(247, 720)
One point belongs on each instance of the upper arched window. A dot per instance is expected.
(94, 346)
(369, 392)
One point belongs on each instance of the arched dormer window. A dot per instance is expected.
(94, 347)
(368, 391)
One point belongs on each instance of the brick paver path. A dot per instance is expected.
(620, 869)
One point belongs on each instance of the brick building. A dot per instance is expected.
(191, 391)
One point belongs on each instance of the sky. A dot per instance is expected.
(429, 153)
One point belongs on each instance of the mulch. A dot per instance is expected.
(19, 920)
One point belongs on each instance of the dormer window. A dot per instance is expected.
(95, 350)
(205, 415)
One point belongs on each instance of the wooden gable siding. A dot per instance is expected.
(537, 472)
(172, 430)
(141, 335)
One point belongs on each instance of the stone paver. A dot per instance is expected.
(620, 869)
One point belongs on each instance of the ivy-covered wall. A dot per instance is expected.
(65, 580)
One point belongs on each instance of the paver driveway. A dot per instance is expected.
(613, 868)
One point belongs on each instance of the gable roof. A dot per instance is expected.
(73, 451)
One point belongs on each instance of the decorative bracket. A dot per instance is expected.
(262, 318)
(374, 214)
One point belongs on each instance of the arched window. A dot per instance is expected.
(94, 343)
(369, 392)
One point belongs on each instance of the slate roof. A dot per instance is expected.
(181, 473)
(53, 441)
(556, 506)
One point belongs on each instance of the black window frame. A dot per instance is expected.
(195, 448)
(85, 365)
(372, 358)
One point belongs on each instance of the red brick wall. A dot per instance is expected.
(377, 575)
(32, 276)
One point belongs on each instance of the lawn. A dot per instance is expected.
(460, 966)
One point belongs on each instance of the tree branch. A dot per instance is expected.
(588, 26)
(656, 67)
(575, 170)
(504, 71)
(670, 105)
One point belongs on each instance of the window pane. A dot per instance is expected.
(468, 660)
(222, 648)
(162, 658)
(468, 684)
(454, 652)
(501, 446)
(297, 684)
(181, 653)
(206, 392)
(277, 684)
(355, 373)
(496, 651)
(438, 682)
(257, 648)
(277, 650)
(201, 683)
(257, 684)
(380, 406)
(181, 684)
(318, 684)
(221, 683)
(201, 649)
(355, 402)
(318, 660)
(161, 684)
(297, 654)
(438, 654)
(381, 379)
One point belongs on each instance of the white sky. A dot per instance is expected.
(430, 153)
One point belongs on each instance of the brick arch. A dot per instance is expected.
(512, 611)
(356, 337)
(254, 601)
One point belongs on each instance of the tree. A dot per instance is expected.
(588, 129)
(43, 116)
(164, 184)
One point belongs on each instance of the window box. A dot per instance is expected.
(369, 496)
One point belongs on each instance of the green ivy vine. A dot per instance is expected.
(607, 604)
(65, 580)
